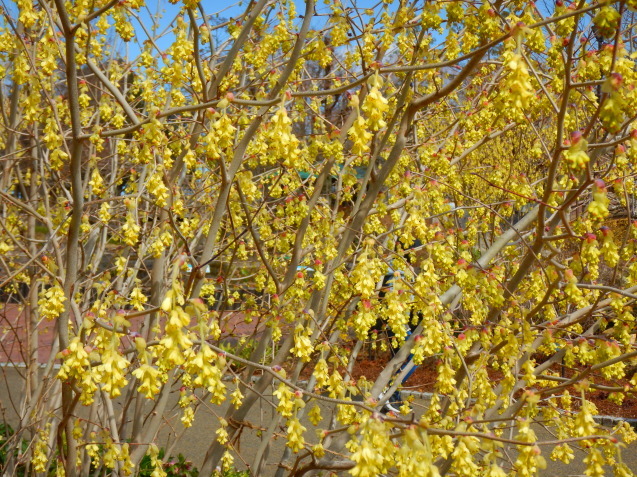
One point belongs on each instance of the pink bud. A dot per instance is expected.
(590, 237)
(616, 80)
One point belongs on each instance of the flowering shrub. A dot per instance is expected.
(295, 181)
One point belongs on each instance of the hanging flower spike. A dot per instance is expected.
(358, 133)
(375, 105)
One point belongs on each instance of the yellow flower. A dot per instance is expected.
(137, 298)
(39, 460)
(220, 137)
(463, 462)
(236, 398)
(576, 157)
(148, 376)
(112, 375)
(97, 183)
(51, 302)
(375, 452)
(155, 461)
(321, 373)
(598, 208)
(130, 230)
(519, 82)
(286, 403)
(295, 435)
(594, 463)
(157, 188)
(315, 415)
(104, 213)
(208, 367)
(359, 136)
(302, 344)
(375, 106)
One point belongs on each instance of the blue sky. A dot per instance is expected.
(221, 9)
(160, 14)
(167, 13)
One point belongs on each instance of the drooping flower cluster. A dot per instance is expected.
(51, 302)
(358, 133)
(375, 105)
(519, 82)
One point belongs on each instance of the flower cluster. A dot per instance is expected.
(375, 106)
(208, 367)
(518, 82)
(302, 344)
(148, 376)
(598, 208)
(111, 373)
(76, 367)
(219, 138)
(576, 157)
(358, 133)
(606, 21)
(51, 302)
(373, 454)
(283, 145)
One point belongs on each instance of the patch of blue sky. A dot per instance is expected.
(157, 20)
